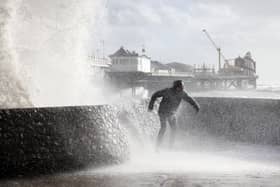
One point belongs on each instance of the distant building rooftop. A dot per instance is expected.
(124, 53)
(180, 67)
(156, 65)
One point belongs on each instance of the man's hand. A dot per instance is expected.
(197, 110)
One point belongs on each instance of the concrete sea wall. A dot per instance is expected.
(238, 119)
(47, 140)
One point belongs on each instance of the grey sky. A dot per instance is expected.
(171, 30)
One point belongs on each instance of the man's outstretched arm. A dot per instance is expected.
(190, 100)
(154, 97)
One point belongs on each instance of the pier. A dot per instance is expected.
(129, 69)
(193, 82)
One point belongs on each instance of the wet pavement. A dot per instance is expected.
(151, 179)
(239, 165)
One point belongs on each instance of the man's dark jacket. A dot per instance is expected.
(171, 100)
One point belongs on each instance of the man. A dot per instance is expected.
(171, 99)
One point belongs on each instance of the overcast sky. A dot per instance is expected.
(171, 30)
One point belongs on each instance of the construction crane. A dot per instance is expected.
(220, 54)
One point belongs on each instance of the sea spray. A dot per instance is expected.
(49, 43)
(12, 93)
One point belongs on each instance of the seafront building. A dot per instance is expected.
(126, 61)
(138, 72)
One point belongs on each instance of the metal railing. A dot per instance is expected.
(173, 74)
(100, 62)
